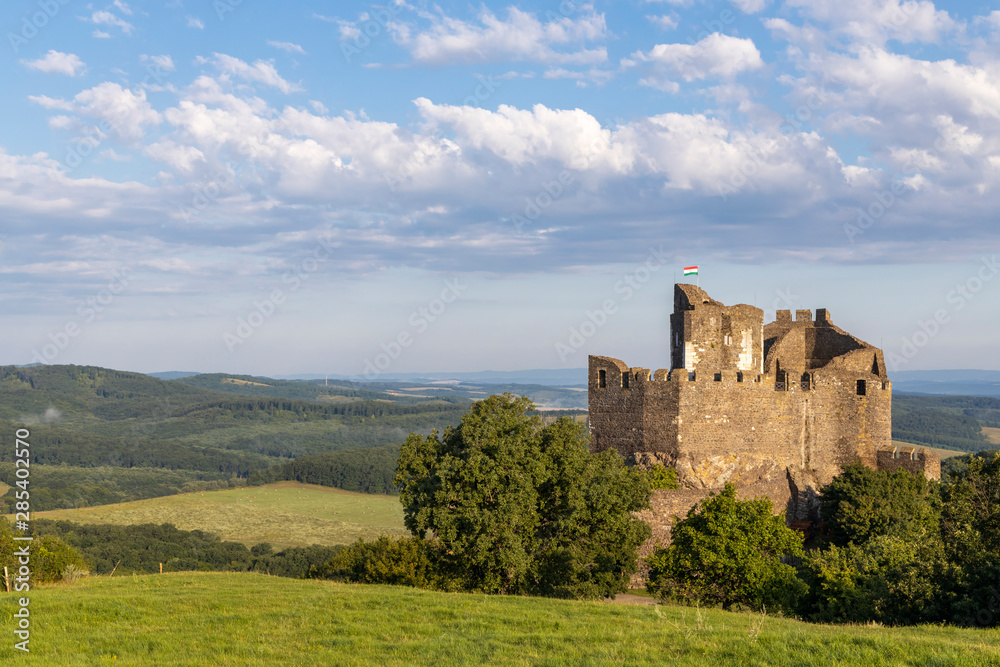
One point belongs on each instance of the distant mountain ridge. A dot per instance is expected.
(549, 377)
(964, 382)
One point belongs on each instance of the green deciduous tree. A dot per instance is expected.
(728, 551)
(518, 508)
(862, 503)
(970, 528)
(890, 579)
(884, 559)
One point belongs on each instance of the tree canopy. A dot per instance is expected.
(862, 503)
(515, 507)
(728, 551)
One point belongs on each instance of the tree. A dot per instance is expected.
(518, 508)
(970, 528)
(889, 579)
(862, 503)
(728, 551)
(884, 560)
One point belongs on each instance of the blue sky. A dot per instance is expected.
(312, 187)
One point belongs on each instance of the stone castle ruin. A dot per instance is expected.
(776, 409)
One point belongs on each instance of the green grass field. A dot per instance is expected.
(249, 619)
(286, 514)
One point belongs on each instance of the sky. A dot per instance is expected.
(349, 188)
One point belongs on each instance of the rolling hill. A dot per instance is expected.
(193, 618)
(285, 514)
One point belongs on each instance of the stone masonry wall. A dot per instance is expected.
(911, 459)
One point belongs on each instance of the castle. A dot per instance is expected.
(776, 409)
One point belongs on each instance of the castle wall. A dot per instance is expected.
(777, 410)
(616, 410)
(910, 459)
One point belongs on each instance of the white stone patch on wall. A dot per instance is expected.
(746, 354)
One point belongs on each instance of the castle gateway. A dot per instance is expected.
(776, 409)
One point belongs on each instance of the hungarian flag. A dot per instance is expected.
(690, 270)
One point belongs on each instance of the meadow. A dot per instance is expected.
(286, 514)
(250, 619)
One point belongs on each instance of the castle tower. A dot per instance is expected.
(709, 335)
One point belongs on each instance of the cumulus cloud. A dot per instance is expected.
(125, 113)
(715, 56)
(519, 37)
(56, 62)
(877, 21)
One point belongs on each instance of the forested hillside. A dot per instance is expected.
(952, 422)
(102, 436)
(249, 385)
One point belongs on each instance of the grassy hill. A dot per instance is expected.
(249, 619)
(286, 514)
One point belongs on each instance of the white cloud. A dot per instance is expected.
(114, 156)
(520, 136)
(181, 158)
(56, 62)
(664, 22)
(164, 62)
(876, 80)
(583, 78)
(910, 159)
(123, 7)
(876, 21)
(107, 18)
(100, 34)
(51, 102)
(287, 46)
(750, 6)
(195, 22)
(124, 113)
(519, 37)
(261, 72)
(717, 55)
